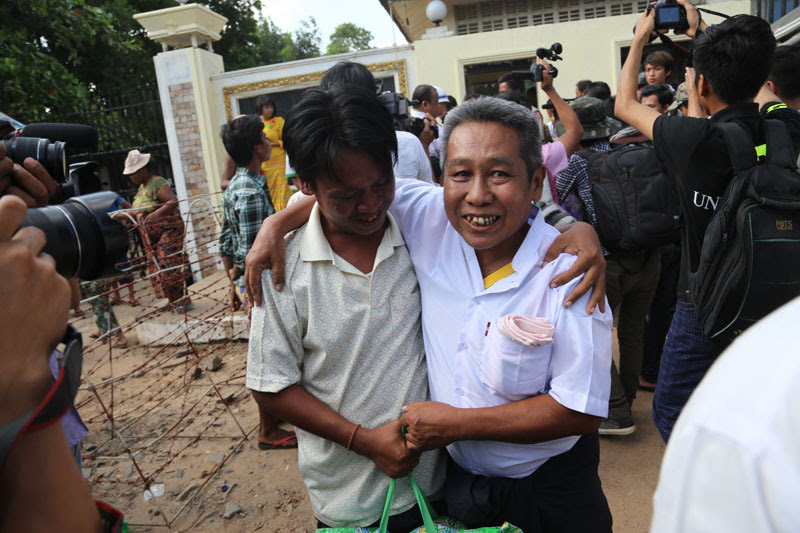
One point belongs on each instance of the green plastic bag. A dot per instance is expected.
(431, 522)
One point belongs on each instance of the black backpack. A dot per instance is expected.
(634, 201)
(750, 258)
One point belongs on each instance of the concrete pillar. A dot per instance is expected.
(190, 118)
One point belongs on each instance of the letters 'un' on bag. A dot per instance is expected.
(751, 248)
(431, 522)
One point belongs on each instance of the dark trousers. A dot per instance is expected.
(563, 496)
(630, 284)
(687, 356)
(661, 310)
(403, 522)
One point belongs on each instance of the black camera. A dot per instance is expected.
(84, 241)
(551, 54)
(398, 105)
(670, 15)
(51, 155)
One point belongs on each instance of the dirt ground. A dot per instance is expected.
(171, 425)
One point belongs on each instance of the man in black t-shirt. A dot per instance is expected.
(731, 62)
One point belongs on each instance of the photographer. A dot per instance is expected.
(426, 107)
(731, 62)
(40, 481)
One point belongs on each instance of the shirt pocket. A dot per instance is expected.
(513, 370)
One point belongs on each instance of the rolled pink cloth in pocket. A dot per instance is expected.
(526, 329)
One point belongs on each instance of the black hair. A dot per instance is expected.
(452, 101)
(517, 98)
(264, 100)
(240, 136)
(324, 123)
(786, 71)
(599, 89)
(665, 96)
(423, 93)
(583, 85)
(348, 73)
(514, 83)
(735, 56)
(660, 58)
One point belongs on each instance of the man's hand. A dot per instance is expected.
(693, 18)
(426, 135)
(547, 78)
(645, 26)
(34, 313)
(386, 447)
(429, 425)
(268, 252)
(30, 181)
(580, 239)
(234, 303)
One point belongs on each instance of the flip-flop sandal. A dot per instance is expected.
(277, 445)
(95, 334)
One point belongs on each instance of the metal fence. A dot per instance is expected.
(123, 123)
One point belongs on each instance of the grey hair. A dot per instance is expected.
(510, 114)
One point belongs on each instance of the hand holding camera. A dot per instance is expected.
(29, 180)
(552, 54)
(34, 312)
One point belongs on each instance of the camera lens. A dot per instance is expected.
(50, 155)
(84, 241)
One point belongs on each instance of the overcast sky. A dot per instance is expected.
(369, 14)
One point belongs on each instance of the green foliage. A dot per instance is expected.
(306, 42)
(348, 37)
(57, 54)
(42, 59)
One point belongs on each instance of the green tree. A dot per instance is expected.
(349, 37)
(68, 51)
(271, 42)
(306, 42)
(43, 59)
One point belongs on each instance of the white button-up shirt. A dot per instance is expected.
(469, 364)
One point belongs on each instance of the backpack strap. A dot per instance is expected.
(740, 146)
(779, 144)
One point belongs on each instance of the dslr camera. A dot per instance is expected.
(397, 105)
(82, 239)
(670, 15)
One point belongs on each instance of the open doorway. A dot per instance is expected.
(481, 78)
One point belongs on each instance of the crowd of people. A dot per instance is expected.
(435, 304)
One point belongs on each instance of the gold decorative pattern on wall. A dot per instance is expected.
(387, 66)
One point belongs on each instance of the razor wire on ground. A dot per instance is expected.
(176, 385)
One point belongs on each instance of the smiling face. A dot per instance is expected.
(359, 203)
(487, 190)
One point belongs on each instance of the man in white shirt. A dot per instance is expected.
(510, 415)
(733, 462)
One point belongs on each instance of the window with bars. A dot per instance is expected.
(509, 14)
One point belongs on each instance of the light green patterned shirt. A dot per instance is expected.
(354, 341)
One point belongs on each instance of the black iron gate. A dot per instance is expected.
(123, 123)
